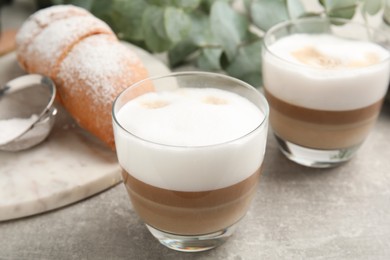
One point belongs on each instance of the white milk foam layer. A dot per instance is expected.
(325, 72)
(190, 117)
(212, 139)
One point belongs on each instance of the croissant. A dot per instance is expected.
(84, 58)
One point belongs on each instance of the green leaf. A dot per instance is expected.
(253, 78)
(162, 27)
(153, 28)
(246, 65)
(177, 23)
(206, 5)
(159, 2)
(209, 59)
(386, 13)
(228, 27)
(309, 14)
(372, 6)
(247, 4)
(341, 9)
(266, 13)
(187, 5)
(200, 33)
(199, 36)
(86, 4)
(180, 52)
(295, 8)
(126, 17)
(103, 10)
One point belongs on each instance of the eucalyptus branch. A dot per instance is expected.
(213, 33)
(210, 46)
(347, 7)
(248, 42)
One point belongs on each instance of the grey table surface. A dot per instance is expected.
(298, 213)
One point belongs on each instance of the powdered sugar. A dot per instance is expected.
(40, 20)
(99, 62)
(27, 32)
(47, 48)
(46, 16)
(14, 127)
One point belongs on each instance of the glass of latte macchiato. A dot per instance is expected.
(325, 80)
(191, 146)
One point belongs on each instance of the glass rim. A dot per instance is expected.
(262, 98)
(322, 19)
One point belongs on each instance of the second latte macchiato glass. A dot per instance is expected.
(325, 80)
(191, 146)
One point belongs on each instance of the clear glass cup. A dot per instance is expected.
(191, 197)
(320, 115)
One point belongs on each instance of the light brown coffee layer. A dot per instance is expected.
(323, 116)
(321, 129)
(191, 213)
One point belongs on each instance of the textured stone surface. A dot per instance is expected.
(298, 213)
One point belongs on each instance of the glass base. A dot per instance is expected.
(314, 157)
(196, 243)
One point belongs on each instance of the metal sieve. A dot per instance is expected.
(28, 98)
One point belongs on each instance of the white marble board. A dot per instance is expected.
(69, 166)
